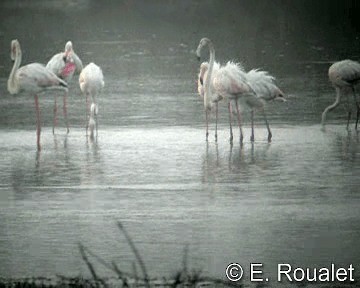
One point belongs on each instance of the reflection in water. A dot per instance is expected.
(349, 145)
(180, 187)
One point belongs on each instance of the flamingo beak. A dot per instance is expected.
(198, 58)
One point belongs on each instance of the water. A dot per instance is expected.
(294, 200)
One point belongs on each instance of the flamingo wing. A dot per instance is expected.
(35, 77)
(231, 80)
(264, 85)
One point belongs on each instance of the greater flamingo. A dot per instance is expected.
(344, 75)
(264, 86)
(214, 97)
(228, 82)
(32, 78)
(91, 82)
(64, 65)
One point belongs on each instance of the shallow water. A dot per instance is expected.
(294, 200)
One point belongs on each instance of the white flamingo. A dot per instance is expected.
(228, 81)
(64, 65)
(344, 75)
(32, 78)
(91, 82)
(266, 90)
(204, 67)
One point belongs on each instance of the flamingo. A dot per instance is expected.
(228, 81)
(64, 65)
(91, 82)
(214, 97)
(33, 78)
(344, 75)
(264, 86)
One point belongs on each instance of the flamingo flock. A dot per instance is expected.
(216, 82)
(231, 82)
(256, 87)
(36, 78)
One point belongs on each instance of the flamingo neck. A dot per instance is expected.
(207, 91)
(13, 85)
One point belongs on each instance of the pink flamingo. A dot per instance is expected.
(64, 65)
(214, 97)
(266, 90)
(33, 78)
(91, 81)
(344, 75)
(228, 81)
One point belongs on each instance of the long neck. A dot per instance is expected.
(207, 95)
(13, 85)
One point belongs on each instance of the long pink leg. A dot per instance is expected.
(267, 126)
(87, 113)
(252, 138)
(207, 123)
(230, 121)
(55, 116)
(216, 120)
(96, 121)
(239, 121)
(65, 113)
(38, 124)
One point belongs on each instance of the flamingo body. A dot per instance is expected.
(344, 75)
(214, 97)
(64, 65)
(91, 81)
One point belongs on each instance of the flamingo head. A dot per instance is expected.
(68, 51)
(203, 42)
(15, 49)
(68, 46)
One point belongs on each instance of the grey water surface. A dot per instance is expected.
(294, 200)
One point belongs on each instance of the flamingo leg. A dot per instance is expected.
(96, 125)
(38, 124)
(252, 126)
(357, 108)
(87, 113)
(65, 113)
(331, 107)
(55, 116)
(216, 120)
(349, 112)
(207, 123)
(239, 121)
(267, 126)
(230, 121)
